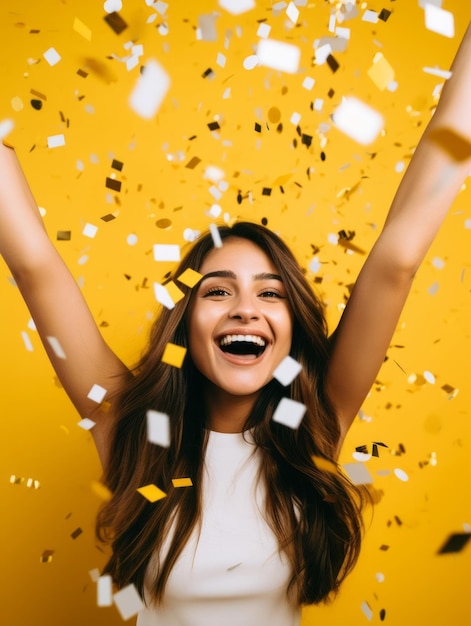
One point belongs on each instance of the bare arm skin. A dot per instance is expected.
(427, 190)
(55, 301)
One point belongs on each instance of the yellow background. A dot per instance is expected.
(350, 190)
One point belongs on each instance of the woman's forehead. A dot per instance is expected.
(239, 255)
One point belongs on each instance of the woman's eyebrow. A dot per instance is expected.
(231, 274)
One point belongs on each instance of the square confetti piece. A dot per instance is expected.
(278, 55)
(287, 371)
(166, 252)
(97, 393)
(174, 292)
(263, 30)
(128, 602)
(158, 428)
(358, 120)
(104, 590)
(358, 473)
(174, 355)
(182, 482)
(90, 230)
(150, 90)
(439, 21)
(190, 277)
(289, 412)
(52, 56)
(152, 493)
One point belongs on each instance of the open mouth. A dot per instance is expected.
(251, 346)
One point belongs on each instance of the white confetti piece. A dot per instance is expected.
(56, 347)
(90, 230)
(97, 393)
(221, 59)
(370, 16)
(292, 12)
(166, 252)
(308, 83)
(250, 62)
(263, 31)
(158, 428)
(31, 325)
(467, 224)
(287, 370)
(86, 423)
(321, 53)
(217, 241)
(113, 6)
(401, 475)
(150, 90)
(94, 574)
(318, 104)
(163, 297)
(361, 457)
(438, 263)
(55, 141)
(236, 7)
(52, 56)
(27, 341)
(315, 265)
(295, 118)
(189, 234)
(213, 173)
(436, 71)
(358, 473)
(6, 126)
(160, 6)
(128, 602)
(439, 21)
(358, 120)
(289, 412)
(104, 590)
(132, 239)
(278, 55)
(365, 607)
(380, 577)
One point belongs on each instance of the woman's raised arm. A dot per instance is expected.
(435, 175)
(55, 301)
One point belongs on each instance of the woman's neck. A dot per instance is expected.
(228, 413)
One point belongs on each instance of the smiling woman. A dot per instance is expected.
(270, 523)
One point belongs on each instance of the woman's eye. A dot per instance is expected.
(216, 291)
(271, 294)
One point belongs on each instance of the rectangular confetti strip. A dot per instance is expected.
(217, 241)
(166, 252)
(104, 590)
(358, 120)
(158, 428)
(278, 55)
(27, 341)
(56, 347)
(182, 482)
(150, 90)
(55, 141)
(173, 355)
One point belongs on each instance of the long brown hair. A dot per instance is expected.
(315, 514)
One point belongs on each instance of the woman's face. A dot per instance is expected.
(240, 322)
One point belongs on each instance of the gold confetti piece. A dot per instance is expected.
(152, 493)
(81, 29)
(38, 94)
(455, 543)
(182, 482)
(100, 490)
(324, 464)
(175, 293)
(46, 556)
(77, 532)
(192, 163)
(190, 277)
(381, 72)
(455, 145)
(174, 355)
(116, 22)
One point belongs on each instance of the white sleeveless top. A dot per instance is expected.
(232, 575)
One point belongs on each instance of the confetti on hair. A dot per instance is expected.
(158, 428)
(128, 602)
(151, 492)
(174, 355)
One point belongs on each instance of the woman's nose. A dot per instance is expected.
(244, 307)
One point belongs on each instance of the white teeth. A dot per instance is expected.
(228, 339)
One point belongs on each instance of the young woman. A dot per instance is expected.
(265, 528)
